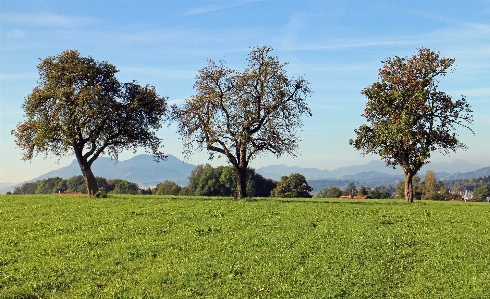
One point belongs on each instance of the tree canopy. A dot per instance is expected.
(331, 192)
(206, 180)
(481, 193)
(80, 108)
(409, 117)
(292, 186)
(241, 115)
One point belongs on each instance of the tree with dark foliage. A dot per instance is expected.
(292, 186)
(80, 108)
(409, 117)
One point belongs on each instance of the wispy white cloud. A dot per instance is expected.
(45, 20)
(220, 5)
(15, 33)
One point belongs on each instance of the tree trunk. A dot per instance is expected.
(241, 171)
(88, 176)
(241, 185)
(408, 186)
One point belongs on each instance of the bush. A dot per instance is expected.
(481, 193)
(101, 193)
(292, 186)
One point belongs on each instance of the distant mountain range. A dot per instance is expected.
(142, 169)
(373, 169)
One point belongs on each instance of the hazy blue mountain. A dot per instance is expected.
(374, 167)
(276, 171)
(319, 185)
(466, 175)
(141, 169)
(456, 166)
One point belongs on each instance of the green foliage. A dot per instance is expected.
(167, 188)
(102, 182)
(56, 185)
(432, 189)
(467, 184)
(362, 191)
(101, 193)
(51, 185)
(80, 108)
(206, 180)
(292, 186)
(481, 193)
(241, 115)
(418, 188)
(26, 188)
(382, 192)
(76, 184)
(331, 192)
(165, 247)
(409, 117)
(124, 187)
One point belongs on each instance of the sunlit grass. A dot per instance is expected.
(57, 246)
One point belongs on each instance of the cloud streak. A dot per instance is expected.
(221, 5)
(45, 20)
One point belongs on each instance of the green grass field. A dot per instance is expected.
(57, 246)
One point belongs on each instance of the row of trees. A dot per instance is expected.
(77, 184)
(432, 189)
(468, 184)
(204, 180)
(79, 107)
(428, 189)
(220, 181)
(379, 192)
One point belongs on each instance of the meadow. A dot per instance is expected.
(64, 246)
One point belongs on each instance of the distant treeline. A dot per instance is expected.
(467, 184)
(204, 180)
(77, 184)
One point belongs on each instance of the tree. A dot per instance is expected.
(76, 184)
(409, 117)
(362, 191)
(241, 115)
(417, 188)
(124, 187)
(292, 186)
(167, 188)
(381, 192)
(481, 193)
(51, 185)
(433, 189)
(221, 181)
(331, 192)
(205, 181)
(351, 190)
(80, 108)
(430, 186)
(26, 188)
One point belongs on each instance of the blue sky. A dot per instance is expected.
(337, 46)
